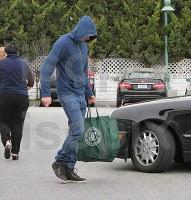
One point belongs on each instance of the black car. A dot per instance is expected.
(138, 86)
(155, 133)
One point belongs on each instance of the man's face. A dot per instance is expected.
(85, 39)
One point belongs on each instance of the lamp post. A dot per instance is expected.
(166, 9)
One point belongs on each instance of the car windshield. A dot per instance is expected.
(141, 75)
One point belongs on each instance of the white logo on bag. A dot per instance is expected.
(92, 136)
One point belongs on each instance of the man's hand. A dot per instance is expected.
(91, 100)
(46, 101)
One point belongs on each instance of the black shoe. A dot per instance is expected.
(73, 177)
(7, 151)
(15, 156)
(59, 170)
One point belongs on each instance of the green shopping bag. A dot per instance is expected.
(100, 141)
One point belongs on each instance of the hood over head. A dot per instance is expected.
(85, 27)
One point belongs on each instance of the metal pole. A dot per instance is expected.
(167, 78)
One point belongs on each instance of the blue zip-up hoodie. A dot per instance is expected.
(69, 56)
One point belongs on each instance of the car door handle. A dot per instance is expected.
(162, 112)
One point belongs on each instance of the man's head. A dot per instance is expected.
(11, 49)
(85, 30)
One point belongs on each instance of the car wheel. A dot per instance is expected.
(153, 148)
(118, 103)
(186, 92)
(41, 105)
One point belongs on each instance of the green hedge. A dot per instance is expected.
(127, 28)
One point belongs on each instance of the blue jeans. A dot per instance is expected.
(75, 109)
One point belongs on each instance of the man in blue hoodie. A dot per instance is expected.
(69, 56)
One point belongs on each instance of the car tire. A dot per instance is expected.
(153, 148)
(118, 103)
(41, 105)
(186, 92)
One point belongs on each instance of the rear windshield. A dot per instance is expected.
(141, 75)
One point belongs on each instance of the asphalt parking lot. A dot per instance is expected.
(31, 177)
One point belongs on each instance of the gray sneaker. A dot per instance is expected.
(72, 177)
(59, 170)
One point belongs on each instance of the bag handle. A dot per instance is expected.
(89, 115)
(89, 112)
(96, 111)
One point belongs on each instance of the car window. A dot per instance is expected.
(141, 75)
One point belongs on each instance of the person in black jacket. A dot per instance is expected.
(15, 79)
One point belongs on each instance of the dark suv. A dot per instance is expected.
(55, 101)
(138, 86)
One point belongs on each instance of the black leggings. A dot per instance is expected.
(13, 108)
